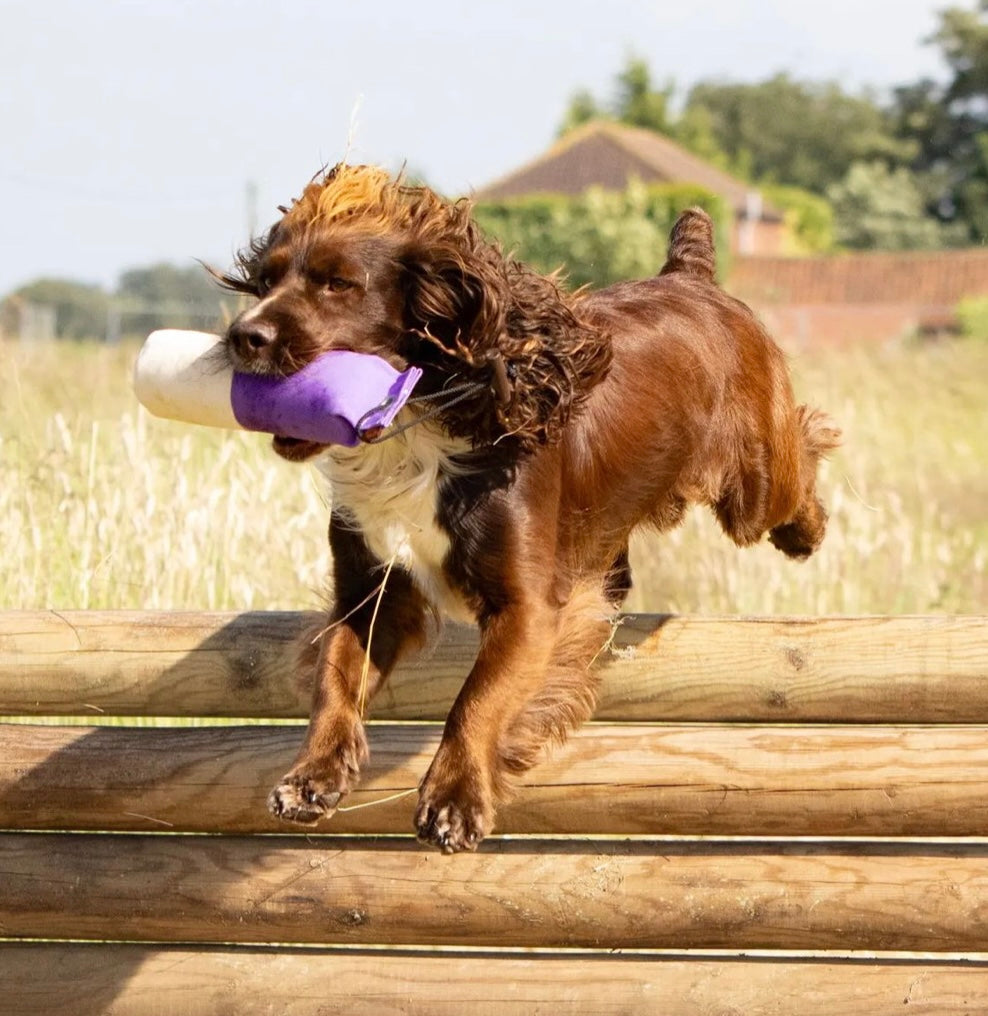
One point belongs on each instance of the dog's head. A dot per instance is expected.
(364, 262)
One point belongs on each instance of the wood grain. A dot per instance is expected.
(82, 980)
(852, 727)
(714, 780)
(593, 894)
(856, 670)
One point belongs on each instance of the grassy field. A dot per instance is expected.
(102, 506)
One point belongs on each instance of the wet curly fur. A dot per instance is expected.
(591, 414)
(471, 313)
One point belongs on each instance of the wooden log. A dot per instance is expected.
(896, 670)
(163, 663)
(594, 894)
(86, 980)
(688, 780)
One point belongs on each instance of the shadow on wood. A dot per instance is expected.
(717, 733)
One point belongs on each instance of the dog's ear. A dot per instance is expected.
(455, 301)
(486, 317)
(454, 313)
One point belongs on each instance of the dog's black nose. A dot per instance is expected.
(251, 337)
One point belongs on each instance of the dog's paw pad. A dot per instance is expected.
(451, 827)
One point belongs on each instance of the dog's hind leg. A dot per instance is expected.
(568, 695)
(801, 535)
(533, 682)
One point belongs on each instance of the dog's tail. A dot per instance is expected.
(691, 246)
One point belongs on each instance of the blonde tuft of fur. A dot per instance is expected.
(367, 193)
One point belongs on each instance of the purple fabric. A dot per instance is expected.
(333, 400)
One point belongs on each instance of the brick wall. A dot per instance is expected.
(803, 326)
(847, 298)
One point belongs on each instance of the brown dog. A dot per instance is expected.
(584, 415)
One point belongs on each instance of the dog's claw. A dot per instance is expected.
(297, 799)
(450, 828)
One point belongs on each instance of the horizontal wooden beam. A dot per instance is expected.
(896, 670)
(84, 980)
(594, 894)
(716, 780)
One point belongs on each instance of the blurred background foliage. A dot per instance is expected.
(599, 236)
(914, 161)
(902, 170)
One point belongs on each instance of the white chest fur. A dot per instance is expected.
(388, 491)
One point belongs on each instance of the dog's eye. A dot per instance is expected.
(263, 285)
(337, 284)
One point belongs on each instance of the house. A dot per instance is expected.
(610, 155)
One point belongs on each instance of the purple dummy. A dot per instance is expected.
(340, 398)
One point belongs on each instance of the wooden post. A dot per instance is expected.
(655, 780)
(809, 794)
(857, 670)
(556, 894)
(85, 980)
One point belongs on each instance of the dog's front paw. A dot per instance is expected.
(303, 799)
(320, 779)
(454, 814)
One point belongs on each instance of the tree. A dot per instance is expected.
(639, 104)
(636, 102)
(165, 295)
(695, 130)
(582, 109)
(80, 308)
(801, 134)
(948, 123)
(878, 207)
(963, 40)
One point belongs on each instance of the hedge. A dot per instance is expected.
(600, 236)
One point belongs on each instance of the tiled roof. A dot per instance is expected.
(931, 278)
(607, 154)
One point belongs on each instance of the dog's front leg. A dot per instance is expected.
(458, 795)
(352, 664)
(329, 760)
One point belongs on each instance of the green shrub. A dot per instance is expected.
(80, 308)
(809, 218)
(972, 315)
(600, 236)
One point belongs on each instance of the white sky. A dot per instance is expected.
(128, 130)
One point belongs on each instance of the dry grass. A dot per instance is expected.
(103, 507)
